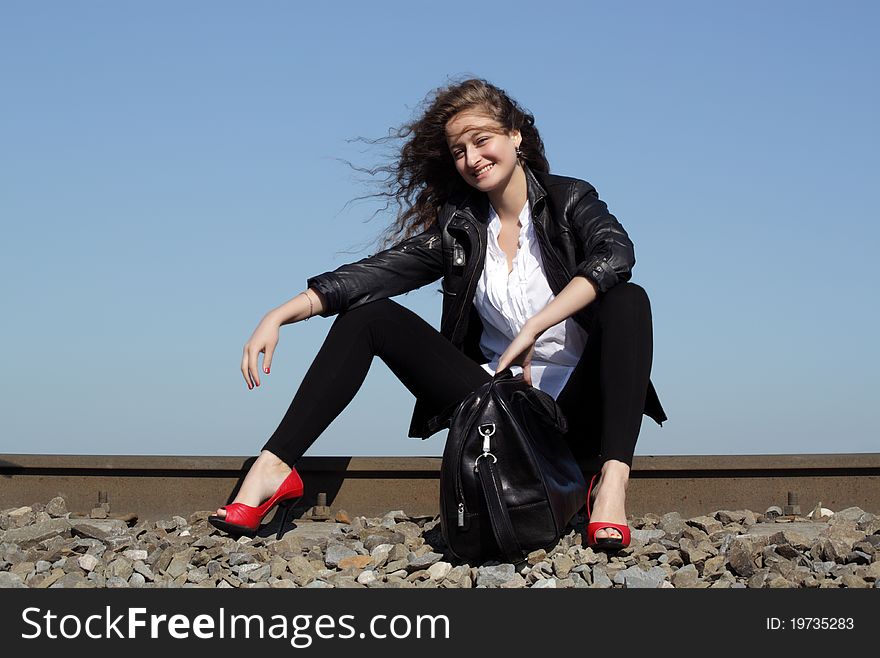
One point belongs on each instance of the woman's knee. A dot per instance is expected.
(626, 295)
(368, 313)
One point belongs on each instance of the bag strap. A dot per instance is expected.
(498, 515)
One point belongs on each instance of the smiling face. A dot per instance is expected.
(483, 151)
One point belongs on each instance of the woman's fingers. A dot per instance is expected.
(267, 359)
(244, 367)
(254, 365)
(249, 366)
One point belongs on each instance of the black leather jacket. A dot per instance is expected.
(577, 236)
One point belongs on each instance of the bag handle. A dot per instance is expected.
(499, 517)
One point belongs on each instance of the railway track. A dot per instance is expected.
(154, 487)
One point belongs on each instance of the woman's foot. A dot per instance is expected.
(264, 478)
(609, 497)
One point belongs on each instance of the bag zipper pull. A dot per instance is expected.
(461, 515)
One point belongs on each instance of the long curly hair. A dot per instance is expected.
(422, 175)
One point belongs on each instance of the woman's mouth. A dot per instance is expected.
(479, 173)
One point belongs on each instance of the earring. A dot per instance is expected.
(518, 152)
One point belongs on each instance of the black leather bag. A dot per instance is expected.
(509, 483)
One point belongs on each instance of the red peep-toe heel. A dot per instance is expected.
(610, 543)
(243, 519)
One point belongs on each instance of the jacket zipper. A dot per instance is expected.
(471, 288)
(459, 457)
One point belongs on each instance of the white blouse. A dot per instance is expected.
(504, 303)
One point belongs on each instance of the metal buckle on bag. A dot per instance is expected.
(486, 430)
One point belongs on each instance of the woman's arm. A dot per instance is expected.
(579, 292)
(298, 308)
(609, 255)
(406, 266)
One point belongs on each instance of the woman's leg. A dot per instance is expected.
(604, 398)
(421, 358)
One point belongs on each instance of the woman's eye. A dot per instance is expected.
(482, 139)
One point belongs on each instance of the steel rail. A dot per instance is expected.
(154, 487)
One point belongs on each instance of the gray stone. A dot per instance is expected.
(544, 584)
(495, 575)
(685, 577)
(396, 565)
(21, 517)
(261, 573)
(88, 562)
(302, 571)
(144, 570)
(562, 565)
(850, 514)
(797, 540)
(714, 566)
(536, 556)
(135, 555)
(705, 523)
(398, 552)
(31, 535)
(72, 580)
(56, 507)
(380, 554)
(843, 534)
(439, 570)
(730, 516)
(600, 577)
(646, 536)
(241, 557)
(652, 551)
(408, 529)
(637, 577)
(97, 528)
(673, 525)
(758, 579)
(692, 553)
(422, 561)
(177, 566)
(366, 577)
(121, 567)
(10, 580)
(741, 555)
(376, 538)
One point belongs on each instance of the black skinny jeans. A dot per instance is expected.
(603, 399)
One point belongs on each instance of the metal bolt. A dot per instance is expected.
(792, 507)
(320, 512)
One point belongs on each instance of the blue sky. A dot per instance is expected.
(169, 172)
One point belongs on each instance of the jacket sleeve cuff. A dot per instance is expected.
(600, 273)
(328, 286)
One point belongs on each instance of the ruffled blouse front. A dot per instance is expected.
(506, 301)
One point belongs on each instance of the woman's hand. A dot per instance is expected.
(520, 352)
(264, 339)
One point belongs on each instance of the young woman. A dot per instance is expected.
(535, 272)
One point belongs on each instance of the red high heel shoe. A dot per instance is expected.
(243, 519)
(611, 543)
